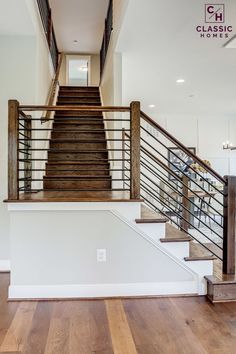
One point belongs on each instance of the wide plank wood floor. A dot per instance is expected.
(185, 325)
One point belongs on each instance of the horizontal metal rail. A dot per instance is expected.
(184, 148)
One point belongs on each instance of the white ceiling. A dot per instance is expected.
(15, 19)
(81, 20)
(160, 44)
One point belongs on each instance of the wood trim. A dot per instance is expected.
(75, 108)
(53, 89)
(13, 193)
(135, 150)
(181, 146)
(229, 225)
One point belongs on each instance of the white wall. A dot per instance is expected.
(70, 257)
(26, 73)
(153, 55)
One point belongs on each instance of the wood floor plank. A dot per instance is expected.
(156, 327)
(87, 327)
(38, 334)
(17, 333)
(206, 322)
(188, 325)
(121, 335)
(7, 310)
(58, 337)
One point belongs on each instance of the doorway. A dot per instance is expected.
(78, 70)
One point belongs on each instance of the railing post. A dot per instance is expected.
(13, 192)
(135, 150)
(229, 225)
(186, 204)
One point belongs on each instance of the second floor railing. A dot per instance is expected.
(46, 17)
(106, 36)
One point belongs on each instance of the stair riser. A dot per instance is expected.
(85, 185)
(78, 103)
(77, 156)
(78, 94)
(79, 114)
(77, 135)
(80, 166)
(79, 99)
(67, 126)
(79, 146)
(98, 120)
(71, 172)
(79, 89)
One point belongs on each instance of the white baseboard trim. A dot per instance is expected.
(102, 290)
(5, 265)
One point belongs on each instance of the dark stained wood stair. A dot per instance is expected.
(78, 155)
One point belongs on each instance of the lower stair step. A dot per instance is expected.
(77, 155)
(74, 144)
(77, 135)
(199, 258)
(221, 290)
(77, 182)
(78, 103)
(69, 113)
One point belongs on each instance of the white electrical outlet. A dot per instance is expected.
(101, 255)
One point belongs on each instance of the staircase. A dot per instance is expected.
(70, 155)
(78, 155)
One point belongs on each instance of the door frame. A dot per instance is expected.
(78, 57)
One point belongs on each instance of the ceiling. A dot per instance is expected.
(167, 47)
(81, 20)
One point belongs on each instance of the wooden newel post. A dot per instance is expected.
(135, 150)
(13, 193)
(229, 225)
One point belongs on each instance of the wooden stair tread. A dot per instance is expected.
(149, 216)
(225, 279)
(221, 289)
(76, 140)
(75, 163)
(77, 151)
(97, 177)
(200, 258)
(76, 97)
(151, 221)
(78, 123)
(176, 239)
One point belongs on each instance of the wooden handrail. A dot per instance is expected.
(184, 148)
(76, 108)
(53, 89)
